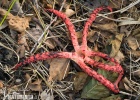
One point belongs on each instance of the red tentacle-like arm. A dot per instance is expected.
(82, 55)
(100, 78)
(88, 24)
(69, 25)
(44, 56)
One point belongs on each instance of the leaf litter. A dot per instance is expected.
(115, 33)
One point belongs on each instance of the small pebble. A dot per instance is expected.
(18, 81)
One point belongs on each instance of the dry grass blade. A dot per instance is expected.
(46, 30)
(127, 22)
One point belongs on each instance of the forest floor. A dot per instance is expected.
(28, 29)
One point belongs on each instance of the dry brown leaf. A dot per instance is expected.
(96, 58)
(116, 45)
(134, 53)
(127, 84)
(132, 42)
(47, 5)
(69, 12)
(36, 85)
(50, 43)
(80, 80)
(92, 36)
(119, 56)
(121, 85)
(22, 45)
(15, 22)
(50, 4)
(19, 24)
(21, 51)
(1, 84)
(136, 32)
(109, 27)
(58, 69)
(126, 80)
(27, 77)
(22, 39)
(78, 34)
(136, 73)
(127, 88)
(124, 29)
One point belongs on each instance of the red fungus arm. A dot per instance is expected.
(114, 68)
(88, 24)
(103, 55)
(69, 25)
(44, 56)
(98, 77)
